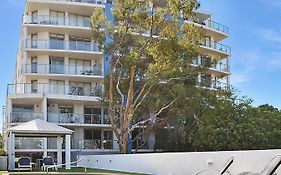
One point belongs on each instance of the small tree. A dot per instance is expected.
(151, 50)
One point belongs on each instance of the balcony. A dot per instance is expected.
(214, 25)
(22, 117)
(54, 20)
(217, 48)
(69, 118)
(220, 66)
(63, 69)
(41, 88)
(211, 84)
(63, 45)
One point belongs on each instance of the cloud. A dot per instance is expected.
(271, 35)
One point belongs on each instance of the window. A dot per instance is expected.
(78, 88)
(56, 65)
(92, 115)
(79, 43)
(34, 86)
(80, 67)
(56, 87)
(77, 20)
(57, 17)
(33, 65)
(34, 17)
(56, 41)
(34, 41)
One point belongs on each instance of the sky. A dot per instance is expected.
(255, 38)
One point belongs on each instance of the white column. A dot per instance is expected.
(45, 147)
(11, 151)
(59, 150)
(66, 65)
(9, 111)
(67, 152)
(44, 109)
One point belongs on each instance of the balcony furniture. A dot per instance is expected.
(24, 163)
(47, 162)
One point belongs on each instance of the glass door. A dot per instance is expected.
(34, 41)
(56, 65)
(34, 17)
(34, 65)
(34, 86)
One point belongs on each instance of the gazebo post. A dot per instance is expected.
(67, 152)
(11, 151)
(59, 150)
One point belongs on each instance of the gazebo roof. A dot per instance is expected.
(38, 126)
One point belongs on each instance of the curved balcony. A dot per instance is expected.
(211, 84)
(216, 48)
(41, 88)
(62, 45)
(50, 69)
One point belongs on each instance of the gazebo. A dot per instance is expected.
(40, 128)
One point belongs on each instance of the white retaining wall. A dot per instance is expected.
(182, 163)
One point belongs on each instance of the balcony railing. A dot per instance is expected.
(217, 46)
(222, 67)
(63, 69)
(57, 20)
(29, 88)
(69, 118)
(206, 83)
(215, 25)
(21, 117)
(55, 44)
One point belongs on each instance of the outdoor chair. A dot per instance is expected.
(47, 162)
(24, 163)
(222, 171)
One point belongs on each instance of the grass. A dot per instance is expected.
(3, 172)
(80, 170)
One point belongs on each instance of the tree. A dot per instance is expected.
(234, 124)
(150, 53)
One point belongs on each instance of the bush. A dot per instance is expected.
(3, 153)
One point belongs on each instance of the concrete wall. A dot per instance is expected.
(182, 163)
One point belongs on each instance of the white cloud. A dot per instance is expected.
(271, 35)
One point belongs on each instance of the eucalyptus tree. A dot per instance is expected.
(150, 52)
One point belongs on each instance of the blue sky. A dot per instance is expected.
(255, 38)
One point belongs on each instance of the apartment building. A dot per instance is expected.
(59, 78)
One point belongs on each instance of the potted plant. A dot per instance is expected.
(3, 160)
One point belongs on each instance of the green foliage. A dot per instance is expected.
(227, 122)
(151, 51)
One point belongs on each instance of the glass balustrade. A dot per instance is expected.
(55, 44)
(21, 117)
(63, 69)
(28, 88)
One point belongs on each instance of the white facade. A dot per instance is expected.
(59, 77)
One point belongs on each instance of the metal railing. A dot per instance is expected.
(206, 83)
(62, 45)
(57, 20)
(29, 88)
(63, 69)
(69, 118)
(214, 25)
(21, 117)
(216, 46)
(219, 66)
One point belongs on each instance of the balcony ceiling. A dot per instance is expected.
(85, 9)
